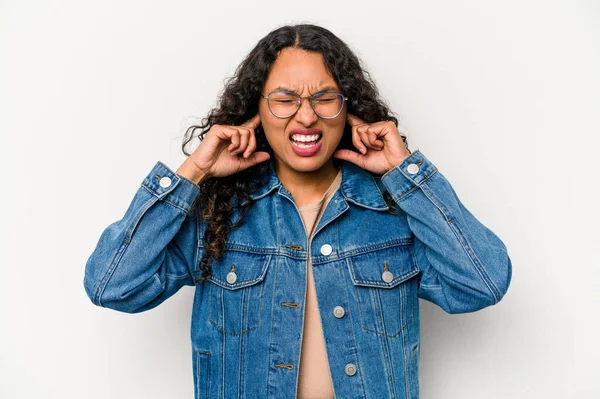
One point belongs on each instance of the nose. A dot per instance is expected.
(306, 114)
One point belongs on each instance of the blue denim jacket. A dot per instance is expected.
(370, 267)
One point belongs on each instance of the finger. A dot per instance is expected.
(381, 133)
(223, 134)
(235, 140)
(363, 132)
(257, 157)
(244, 137)
(354, 120)
(356, 141)
(350, 156)
(253, 122)
(372, 137)
(251, 145)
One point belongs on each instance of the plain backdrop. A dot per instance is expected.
(503, 97)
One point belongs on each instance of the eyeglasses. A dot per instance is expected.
(284, 104)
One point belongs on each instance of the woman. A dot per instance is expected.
(309, 231)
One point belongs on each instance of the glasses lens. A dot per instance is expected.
(283, 104)
(328, 105)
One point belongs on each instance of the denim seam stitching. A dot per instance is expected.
(207, 355)
(271, 332)
(405, 362)
(222, 328)
(416, 185)
(383, 338)
(366, 250)
(246, 283)
(164, 199)
(463, 242)
(246, 296)
(377, 283)
(405, 241)
(358, 364)
(410, 319)
(121, 251)
(277, 237)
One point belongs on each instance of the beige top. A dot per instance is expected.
(314, 375)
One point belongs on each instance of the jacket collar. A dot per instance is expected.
(358, 186)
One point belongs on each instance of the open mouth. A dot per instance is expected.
(305, 141)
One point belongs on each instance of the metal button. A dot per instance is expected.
(350, 369)
(231, 277)
(387, 276)
(326, 249)
(413, 168)
(165, 182)
(338, 312)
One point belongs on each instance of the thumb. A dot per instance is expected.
(348, 155)
(255, 158)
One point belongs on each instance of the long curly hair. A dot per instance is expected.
(238, 102)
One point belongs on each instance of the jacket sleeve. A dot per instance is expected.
(464, 266)
(150, 253)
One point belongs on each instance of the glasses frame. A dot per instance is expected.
(312, 98)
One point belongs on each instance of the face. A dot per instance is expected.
(305, 73)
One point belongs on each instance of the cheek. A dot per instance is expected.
(273, 127)
(338, 129)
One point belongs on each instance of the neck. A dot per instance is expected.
(307, 187)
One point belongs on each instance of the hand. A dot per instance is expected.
(380, 143)
(217, 154)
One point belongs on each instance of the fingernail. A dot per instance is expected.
(363, 150)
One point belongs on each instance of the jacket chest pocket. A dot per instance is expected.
(235, 292)
(385, 289)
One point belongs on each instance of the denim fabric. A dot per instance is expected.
(247, 327)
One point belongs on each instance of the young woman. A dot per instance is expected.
(309, 231)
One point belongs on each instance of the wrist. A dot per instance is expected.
(191, 172)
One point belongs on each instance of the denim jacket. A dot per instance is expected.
(370, 267)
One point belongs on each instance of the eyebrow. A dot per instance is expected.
(326, 88)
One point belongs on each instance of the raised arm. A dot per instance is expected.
(148, 255)
(465, 266)
(152, 252)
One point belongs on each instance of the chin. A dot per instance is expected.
(305, 164)
(308, 166)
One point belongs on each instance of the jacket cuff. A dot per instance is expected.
(408, 175)
(171, 187)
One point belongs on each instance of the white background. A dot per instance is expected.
(503, 97)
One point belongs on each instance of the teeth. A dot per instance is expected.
(305, 138)
(302, 145)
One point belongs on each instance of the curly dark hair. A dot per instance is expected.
(238, 102)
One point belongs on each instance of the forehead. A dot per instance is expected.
(300, 71)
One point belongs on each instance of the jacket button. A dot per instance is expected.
(326, 249)
(338, 312)
(413, 168)
(165, 182)
(387, 276)
(231, 277)
(350, 369)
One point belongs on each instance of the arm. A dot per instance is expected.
(148, 255)
(465, 266)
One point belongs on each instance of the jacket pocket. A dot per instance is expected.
(236, 291)
(202, 374)
(384, 287)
